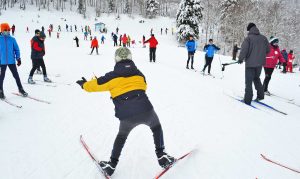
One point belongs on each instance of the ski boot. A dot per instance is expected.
(108, 167)
(2, 95)
(23, 93)
(30, 81)
(164, 159)
(46, 79)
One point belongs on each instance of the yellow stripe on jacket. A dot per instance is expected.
(117, 86)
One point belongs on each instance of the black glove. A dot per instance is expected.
(19, 62)
(81, 82)
(240, 61)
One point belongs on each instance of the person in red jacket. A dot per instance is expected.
(291, 58)
(152, 44)
(271, 61)
(124, 40)
(94, 45)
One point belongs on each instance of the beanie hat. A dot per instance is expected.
(5, 27)
(37, 31)
(250, 25)
(122, 53)
(273, 40)
(42, 35)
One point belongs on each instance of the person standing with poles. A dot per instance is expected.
(285, 56)
(94, 45)
(254, 50)
(127, 86)
(191, 46)
(152, 47)
(9, 54)
(77, 41)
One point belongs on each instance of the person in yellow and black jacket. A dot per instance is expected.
(127, 86)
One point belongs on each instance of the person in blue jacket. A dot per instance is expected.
(191, 46)
(210, 50)
(9, 54)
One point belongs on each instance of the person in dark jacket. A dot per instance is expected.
(127, 86)
(235, 51)
(285, 56)
(152, 47)
(13, 28)
(191, 46)
(115, 38)
(9, 54)
(254, 50)
(210, 50)
(77, 41)
(37, 53)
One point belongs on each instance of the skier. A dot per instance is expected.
(102, 39)
(75, 26)
(94, 45)
(9, 54)
(271, 60)
(166, 31)
(291, 58)
(27, 29)
(67, 27)
(143, 40)
(152, 47)
(85, 35)
(71, 28)
(127, 86)
(13, 28)
(285, 56)
(57, 35)
(59, 28)
(124, 40)
(254, 50)
(191, 46)
(77, 41)
(235, 51)
(128, 41)
(49, 32)
(120, 40)
(115, 38)
(37, 53)
(117, 30)
(43, 29)
(210, 50)
(161, 31)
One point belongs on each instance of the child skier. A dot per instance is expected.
(291, 58)
(127, 86)
(210, 50)
(191, 46)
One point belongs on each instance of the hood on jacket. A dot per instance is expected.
(254, 31)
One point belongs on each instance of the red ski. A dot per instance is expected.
(93, 157)
(170, 166)
(276, 163)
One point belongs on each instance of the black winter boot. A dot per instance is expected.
(108, 167)
(2, 94)
(23, 93)
(164, 159)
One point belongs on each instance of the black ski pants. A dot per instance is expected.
(14, 71)
(268, 75)
(190, 57)
(93, 50)
(115, 43)
(208, 61)
(148, 118)
(36, 63)
(252, 75)
(152, 54)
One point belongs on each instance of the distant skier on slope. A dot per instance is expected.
(291, 58)
(94, 45)
(127, 86)
(9, 54)
(152, 47)
(254, 50)
(77, 41)
(210, 50)
(191, 46)
(271, 61)
(285, 56)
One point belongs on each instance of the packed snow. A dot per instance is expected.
(42, 140)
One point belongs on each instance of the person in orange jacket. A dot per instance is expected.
(291, 58)
(152, 44)
(94, 45)
(124, 40)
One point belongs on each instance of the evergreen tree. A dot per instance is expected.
(111, 6)
(152, 7)
(188, 19)
(80, 6)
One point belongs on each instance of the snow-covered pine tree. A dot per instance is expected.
(127, 8)
(188, 19)
(152, 7)
(111, 6)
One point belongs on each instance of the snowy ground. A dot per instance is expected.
(42, 140)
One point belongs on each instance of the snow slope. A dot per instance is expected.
(42, 140)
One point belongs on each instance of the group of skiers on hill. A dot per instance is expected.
(10, 55)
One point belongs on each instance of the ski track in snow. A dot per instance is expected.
(42, 141)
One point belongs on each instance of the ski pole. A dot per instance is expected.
(225, 64)
(221, 67)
